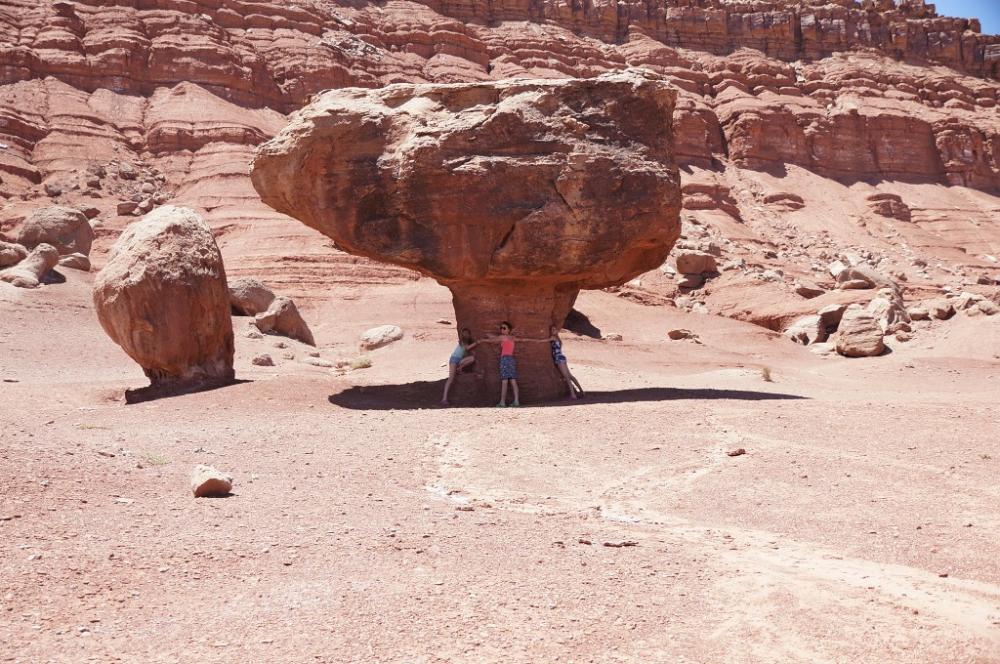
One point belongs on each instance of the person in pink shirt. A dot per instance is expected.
(508, 365)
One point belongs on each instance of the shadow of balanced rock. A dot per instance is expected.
(514, 194)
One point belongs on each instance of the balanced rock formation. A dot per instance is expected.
(514, 194)
(30, 272)
(65, 228)
(162, 297)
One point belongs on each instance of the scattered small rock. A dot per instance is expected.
(695, 262)
(681, 333)
(207, 482)
(380, 336)
(283, 317)
(262, 360)
(739, 451)
(808, 289)
(75, 261)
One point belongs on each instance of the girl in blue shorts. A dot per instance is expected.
(460, 358)
(560, 361)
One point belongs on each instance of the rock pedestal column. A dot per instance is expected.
(531, 308)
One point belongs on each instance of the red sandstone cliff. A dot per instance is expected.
(857, 98)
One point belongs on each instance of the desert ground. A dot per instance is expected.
(368, 525)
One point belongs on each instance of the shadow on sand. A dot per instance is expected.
(426, 394)
(151, 393)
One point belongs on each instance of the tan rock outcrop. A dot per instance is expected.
(30, 272)
(75, 261)
(695, 262)
(162, 297)
(249, 297)
(12, 253)
(514, 194)
(859, 334)
(65, 228)
(283, 317)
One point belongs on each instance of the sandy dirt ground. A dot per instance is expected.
(367, 525)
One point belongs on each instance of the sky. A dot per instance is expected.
(987, 11)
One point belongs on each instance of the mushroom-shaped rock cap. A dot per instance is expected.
(515, 194)
(565, 180)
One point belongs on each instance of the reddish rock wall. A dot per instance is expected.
(186, 88)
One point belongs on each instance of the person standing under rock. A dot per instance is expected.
(459, 360)
(575, 390)
(508, 365)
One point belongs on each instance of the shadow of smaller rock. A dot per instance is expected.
(154, 392)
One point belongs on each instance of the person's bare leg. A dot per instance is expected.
(503, 393)
(517, 400)
(564, 370)
(447, 384)
(579, 388)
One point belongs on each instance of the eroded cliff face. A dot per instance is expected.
(864, 95)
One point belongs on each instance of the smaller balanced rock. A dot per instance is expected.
(207, 482)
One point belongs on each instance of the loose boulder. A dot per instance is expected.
(30, 272)
(867, 274)
(680, 333)
(249, 297)
(859, 334)
(162, 297)
(696, 262)
(807, 330)
(76, 261)
(262, 360)
(830, 316)
(12, 253)
(808, 289)
(941, 309)
(889, 205)
(207, 482)
(383, 335)
(888, 309)
(283, 317)
(65, 228)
